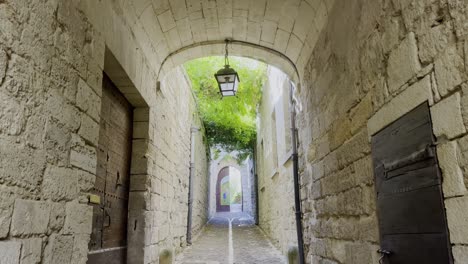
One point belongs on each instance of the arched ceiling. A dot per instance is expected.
(197, 28)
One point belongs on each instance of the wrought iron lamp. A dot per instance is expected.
(227, 77)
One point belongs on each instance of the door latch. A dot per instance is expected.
(383, 253)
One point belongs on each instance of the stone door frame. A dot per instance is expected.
(139, 164)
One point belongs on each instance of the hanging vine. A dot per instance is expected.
(230, 121)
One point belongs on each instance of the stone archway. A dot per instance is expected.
(229, 191)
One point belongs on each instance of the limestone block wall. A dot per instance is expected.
(375, 61)
(169, 161)
(274, 167)
(52, 58)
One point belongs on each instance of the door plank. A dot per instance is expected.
(410, 205)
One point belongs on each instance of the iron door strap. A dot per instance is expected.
(425, 153)
(383, 253)
(107, 218)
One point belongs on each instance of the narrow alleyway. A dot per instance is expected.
(231, 238)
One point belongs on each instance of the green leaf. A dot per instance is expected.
(229, 121)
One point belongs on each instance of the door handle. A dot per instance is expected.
(107, 218)
(383, 253)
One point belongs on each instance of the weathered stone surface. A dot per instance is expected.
(460, 253)
(59, 249)
(89, 129)
(453, 183)
(462, 156)
(449, 70)
(10, 252)
(434, 42)
(403, 63)
(447, 118)
(84, 157)
(391, 33)
(87, 100)
(80, 249)
(78, 219)
(458, 10)
(60, 183)
(3, 64)
(57, 142)
(85, 180)
(361, 253)
(457, 217)
(57, 216)
(31, 251)
(464, 103)
(30, 218)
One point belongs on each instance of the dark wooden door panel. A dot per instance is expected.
(416, 248)
(109, 235)
(410, 208)
(404, 137)
(419, 211)
(414, 177)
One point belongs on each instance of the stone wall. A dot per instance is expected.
(52, 58)
(274, 166)
(169, 162)
(374, 62)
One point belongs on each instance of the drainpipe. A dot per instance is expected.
(194, 131)
(254, 166)
(297, 194)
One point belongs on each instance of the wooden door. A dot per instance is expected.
(410, 205)
(109, 235)
(222, 194)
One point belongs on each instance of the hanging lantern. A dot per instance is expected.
(227, 78)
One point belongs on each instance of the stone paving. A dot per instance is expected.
(249, 244)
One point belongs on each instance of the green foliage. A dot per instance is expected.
(229, 121)
(237, 198)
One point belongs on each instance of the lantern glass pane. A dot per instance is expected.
(220, 78)
(236, 85)
(226, 87)
(228, 93)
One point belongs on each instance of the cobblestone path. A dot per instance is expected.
(248, 244)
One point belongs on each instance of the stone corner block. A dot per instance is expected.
(453, 183)
(457, 218)
(447, 117)
(10, 252)
(78, 219)
(30, 217)
(59, 249)
(460, 254)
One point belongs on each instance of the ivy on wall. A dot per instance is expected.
(229, 121)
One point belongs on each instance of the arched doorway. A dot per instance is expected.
(229, 190)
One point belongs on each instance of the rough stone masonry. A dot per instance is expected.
(362, 64)
(51, 66)
(374, 62)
